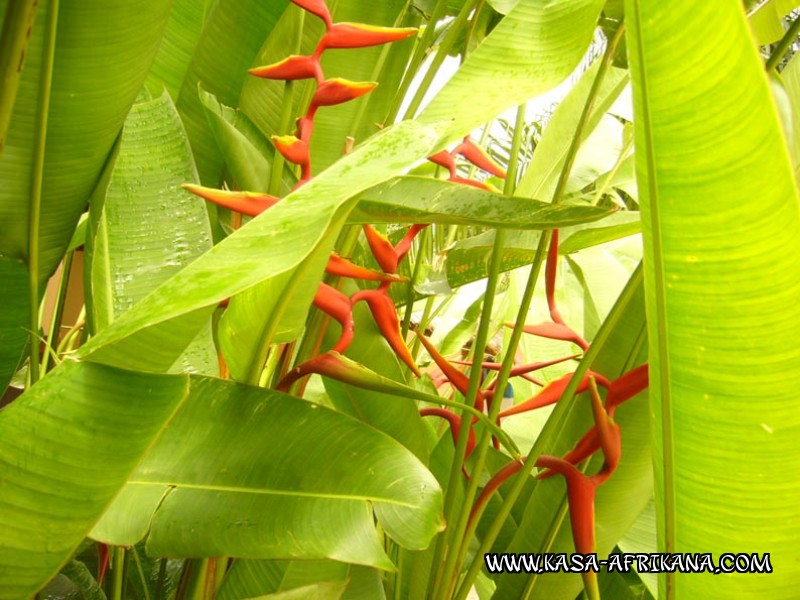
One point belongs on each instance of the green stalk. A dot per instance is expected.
(119, 568)
(162, 577)
(463, 531)
(58, 310)
(17, 27)
(415, 276)
(784, 45)
(45, 85)
(140, 571)
(420, 52)
(441, 54)
(508, 360)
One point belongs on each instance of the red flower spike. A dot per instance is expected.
(580, 494)
(491, 487)
(334, 303)
(248, 203)
(586, 446)
(291, 68)
(344, 268)
(455, 426)
(521, 369)
(626, 387)
(457, 379)
(608, 434)
(550, 271)
(446, 160)
(293, 149)
(316, 7)
(404, 245)
(338, 90)
(478, 157)
(385, 314)
(102, 562)
(305, 127)
(359, 35)
(554, 331)
(476, 184)
(382, 249)
(552, 392)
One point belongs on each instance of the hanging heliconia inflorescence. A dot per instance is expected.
(604, 436)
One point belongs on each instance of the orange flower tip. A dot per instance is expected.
(338, 90)
(247, 203)
(293, 149)
(359, 35)
(478, 157)
(291, 68)
(316, 7)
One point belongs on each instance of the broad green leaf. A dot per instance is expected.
(13, 318)
(544, 525)
(619, 225)
(540, 178)
(720, 217)
(147, 228)
(243, 147)
(427, 200)
(535, 47)
(306, 493)
(331, 590)
(181, 36)
(272, 245)
(641, 538)
(73, 439)
(231, 36)
(103, 52)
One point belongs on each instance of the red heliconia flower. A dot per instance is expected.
(446, 160)
(248, 203)
(382, 249)
(478, 157)
(334, 303)
(491, 487)
(316, 7)
(404, 245)
(554, 331)
(550, 270)
(552, 392)
(293, 149)
(626, 386)
(455, 426)
(457, 379)
(385, 314)
(344, 268)
(338, 90)
(359, 35)
(291, 68)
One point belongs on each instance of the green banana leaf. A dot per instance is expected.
(720, 216)
(94, 424)
(13, 331)
(145, 227)
(427, 200)
(103, 51)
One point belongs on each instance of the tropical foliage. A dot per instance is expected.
(325, 299)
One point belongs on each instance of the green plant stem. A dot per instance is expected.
(37, 180)
(784, 45)
(441, 54)
(140, 571)
(17, 27)
(58, 310)
(554, 423)
(420, 52)
(516, 335)
(456, 548)
(415, 276)
(162, 577)
(463, 530)
(118, 581)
